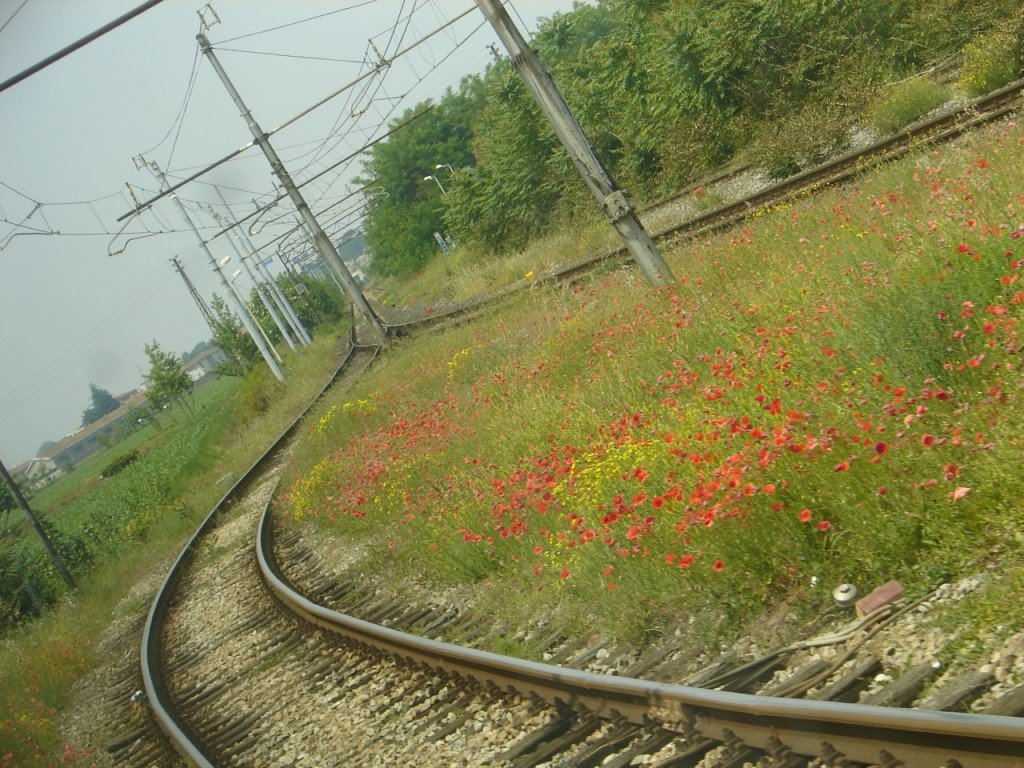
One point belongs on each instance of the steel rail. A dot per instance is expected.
(154, 684)
(917, 738)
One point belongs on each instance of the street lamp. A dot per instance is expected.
(436, 181)
(439, 166)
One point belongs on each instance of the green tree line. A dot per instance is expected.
(666, 90)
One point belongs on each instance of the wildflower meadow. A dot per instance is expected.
(832, 393)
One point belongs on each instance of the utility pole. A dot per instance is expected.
(199, 300)
(55, 557)
(613, 200)
(254, 333)
(241, 300)
(264, 300)
(323, 243)
(275, 289)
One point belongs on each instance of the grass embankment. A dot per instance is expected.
(833, 391)
(130, 523)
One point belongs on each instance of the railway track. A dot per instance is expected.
(944, 126)
(288, 676)
(292, 680)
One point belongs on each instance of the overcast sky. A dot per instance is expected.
(71, 314)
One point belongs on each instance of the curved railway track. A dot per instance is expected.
(419, 698)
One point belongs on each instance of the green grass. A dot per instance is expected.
(832, 394)
(190, 464)
(903, 103)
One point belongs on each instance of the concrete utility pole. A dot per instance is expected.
(264, 299)
(323, 243)
(275, 289)
(576, 143)
(254, 333)
(55, 558)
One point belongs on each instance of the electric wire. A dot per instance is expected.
(184, 102)
(295, 23)
(387, 48)
(84, 344)
(288, 122)
(40, 65)
(290, 55)
(11, 17)
(434, 67)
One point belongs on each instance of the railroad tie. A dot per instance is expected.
(902, 691)
(848, 687)
(958, 695)
(1010, 704)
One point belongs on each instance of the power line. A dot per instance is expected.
(78, 44)
(290, 55)
(268, 134)
(294, 23)
(11, 17)
(179, 116)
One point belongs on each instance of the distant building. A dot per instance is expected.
(86, 441)
(204, 364)
(36, 473)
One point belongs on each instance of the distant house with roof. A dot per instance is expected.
(36, 473)
(204, 364)
(86, 441)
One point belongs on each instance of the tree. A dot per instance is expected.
(168, 380)
(399, 229)
(102, 403)
(230, 335)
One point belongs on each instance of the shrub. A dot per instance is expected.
(802, 138)
(115, 466)
(257, 391)
(990, 61)
(903, 103)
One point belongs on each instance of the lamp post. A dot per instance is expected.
(439, 166)
(436, 181)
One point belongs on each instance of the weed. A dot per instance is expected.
(901, 104)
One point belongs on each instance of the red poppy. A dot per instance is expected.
(718, 565)
(564, 574)
(805, 515)
(824, 525)
(881, 448)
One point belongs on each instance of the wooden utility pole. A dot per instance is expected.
(611, 198)
(55, 557)
(320, 238)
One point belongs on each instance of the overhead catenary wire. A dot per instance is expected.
(290, 55)
(11, 17)
(282, 195)
(296, 23)
(434, 66)
(299, 116)
(81, 42)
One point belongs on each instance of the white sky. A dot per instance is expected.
(69, 312)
